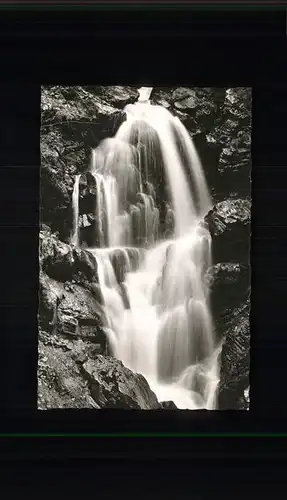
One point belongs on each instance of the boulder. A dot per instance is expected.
(185, 99)
(112, 385)
(199, 103)
(229, 224)
(120, 96)
(64, 262)
(161, 97)
(168, 405)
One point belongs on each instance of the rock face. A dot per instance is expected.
(64, 262)
(69, 295)
(229, 225)
(60, 381)
(235, 360)
(74, 371)
(71, 374)
(113, 385)
(229, 279)
(229, 285)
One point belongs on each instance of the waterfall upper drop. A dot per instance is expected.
(144, 94)
(149, 176)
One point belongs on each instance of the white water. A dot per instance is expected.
(156, 303)
(75, 205)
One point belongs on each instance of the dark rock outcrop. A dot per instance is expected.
(235, 360)
(229, 223)
(119, 96)
(70, 300)
(168, 405)
(219, 120)
(229, 284)
(70, 310)
(64, 262)
(229, 279)
(79, 313)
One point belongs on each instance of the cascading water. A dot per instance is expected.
(75, 205)
(156, 302)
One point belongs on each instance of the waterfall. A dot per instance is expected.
(75, 206)
(155, 298)
(144, 94)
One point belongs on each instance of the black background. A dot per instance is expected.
(164, 48)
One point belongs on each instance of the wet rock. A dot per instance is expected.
(168, 405)
(45, 229)
(120, 96)
(169, 223)
(229, 285)
(64, 262)
(87, 193)
(125, 260)
(95, 290)
(70, 309)
(187, 104)
(85, 265)
(230, 225)
(234, 169)
(72, 103)
(182, 93)
(238, 103)
(79, 314)
(112, 385)
(232, 131)
(199, 103)
(56, 257)
(161, 98)
(235, 360)
(60, 161)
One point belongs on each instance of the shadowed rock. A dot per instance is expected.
(235, 360)
(229, 285)
(168, 405)
(229, 224)
(64, 262)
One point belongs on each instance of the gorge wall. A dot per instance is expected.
(75, 366)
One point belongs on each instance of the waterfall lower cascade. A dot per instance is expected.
(156, 301)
